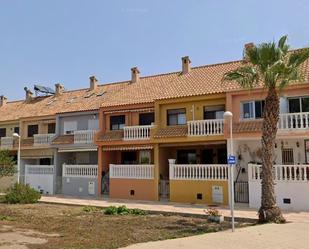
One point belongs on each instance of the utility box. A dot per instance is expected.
(217, 194)
(91, 190)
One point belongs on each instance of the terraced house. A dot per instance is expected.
(160, 137)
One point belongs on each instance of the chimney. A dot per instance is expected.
(28, 94)
(247, 47)
(134, 75)
(3, 100)
(93, 83)
(59, 89)
(186, 64)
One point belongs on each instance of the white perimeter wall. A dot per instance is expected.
(298, 192)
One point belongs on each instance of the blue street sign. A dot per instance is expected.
(231, 159)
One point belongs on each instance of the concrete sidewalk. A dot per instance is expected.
(241, 211)
(270, 236)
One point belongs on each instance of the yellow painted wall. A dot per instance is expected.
(197, 103)
(43, 126)
(186, 191)
(9, 128)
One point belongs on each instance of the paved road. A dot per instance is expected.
(270, 236)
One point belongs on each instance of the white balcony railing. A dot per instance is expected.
(199, 172)
(281, 173)
(43, 139)
(130, 171)
(139, 132)
(293, 121)
(84, 136)
(39, 169)
(205, 127)
(90, 171)
(7, 143)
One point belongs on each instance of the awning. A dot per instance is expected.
(77, 149)
(114, 148)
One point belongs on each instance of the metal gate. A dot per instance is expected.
(164, 189)
(241, 192)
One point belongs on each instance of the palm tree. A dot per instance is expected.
(272, 66)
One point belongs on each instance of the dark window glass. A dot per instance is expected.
(45, 161)
(176, 117)
(294, 105)
(186, 156)
(214, 112)
(146, 118)
(2, 132)
(129, 157)
(305, 104)
(16, 130)
(117, 122)
(32, 130)
(51, 128)
(259, 108)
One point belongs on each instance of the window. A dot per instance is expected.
(186, 157)
(253, 109)
(32, 130)
(51, 128)
(16, 130)
(299, 104)
(287, 156)
(69, 127)
(213, 112)
(146, 118)
(2, 132)
(45, 161)
(176, 117)
(117, 122)
(145, 156)
(129, 157)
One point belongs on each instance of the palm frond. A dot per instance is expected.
(245, 76)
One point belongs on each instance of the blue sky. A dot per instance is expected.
(45, 42)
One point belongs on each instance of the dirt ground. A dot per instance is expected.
(67, 227)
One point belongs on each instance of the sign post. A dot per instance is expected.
(232, 162)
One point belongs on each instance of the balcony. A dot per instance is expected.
(132, 171)
(211, 172)
(141, 132)
(7, 143)
(293, 121)
(42, 139)
(208, 127)
(84, 137)
(88, 171)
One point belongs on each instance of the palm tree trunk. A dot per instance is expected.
(269, 211)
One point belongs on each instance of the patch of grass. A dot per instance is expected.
(90, 209)
(6, 218)
(123, 210)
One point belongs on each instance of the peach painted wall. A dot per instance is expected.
(234, 99)
(143, 189)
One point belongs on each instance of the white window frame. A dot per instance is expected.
(300, 102)
(69, 127)
(252, 102)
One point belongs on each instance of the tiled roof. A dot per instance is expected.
(248, 126)
(69, 101)
(199, 81)
(64, 139)
(110, 135)
(172, 131)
